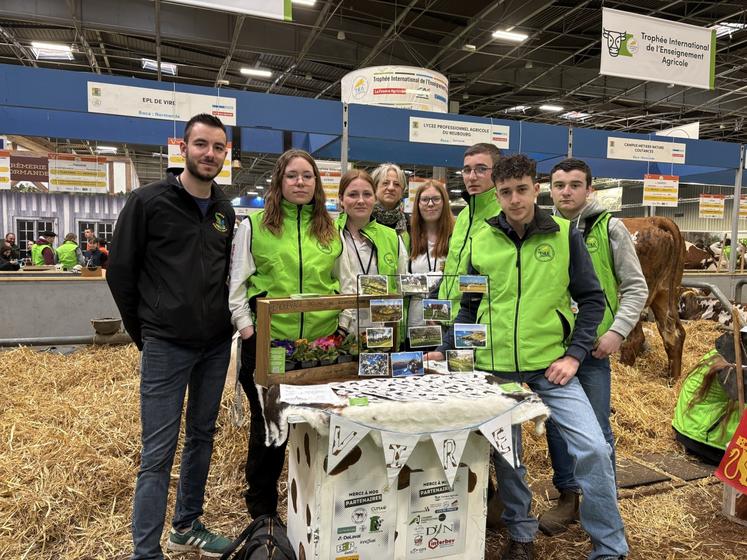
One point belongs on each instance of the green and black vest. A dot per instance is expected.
(37, 259)
(66, 254)
(597, 237)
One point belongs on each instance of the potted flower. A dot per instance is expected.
(304, 353)
(290, 362)
(327, 349)
(348, 349)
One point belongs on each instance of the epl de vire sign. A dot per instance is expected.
(658, 50)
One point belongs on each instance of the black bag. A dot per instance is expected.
(264, 539)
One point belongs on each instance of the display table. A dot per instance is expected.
(404, 476)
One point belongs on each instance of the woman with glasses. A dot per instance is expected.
(370, 248)
(391, 189)
(290, 247)
(431, 225)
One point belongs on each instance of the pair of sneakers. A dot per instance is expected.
(197, 539)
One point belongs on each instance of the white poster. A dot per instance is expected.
(403, 87)
(364, 522)
(689, 130)
(498, 432)
(437, 524)
(660, 190)
(129, 101)
(657, 50)
(344, 435)
(449, 448)
(70, 173)
(457, 133)
(645, 150)
(611, 199)
(273, 9)
(4, 171)
(397, 449)
(413, 184)
(176, 161)
(711, 206)
(330, 172)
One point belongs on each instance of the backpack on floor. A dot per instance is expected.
(264, 539)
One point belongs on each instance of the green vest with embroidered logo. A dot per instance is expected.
(386, 241)
(37, 259)
(703, 421)
(66, 254)
(528, 306)
(598, 243)
(470, 220)
(294, 262)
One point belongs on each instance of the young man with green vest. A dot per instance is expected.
(625, 292)
(536, 264)
(481, 205)
(69, 254)
(42, 252)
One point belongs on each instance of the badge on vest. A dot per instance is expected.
(592, 244)
(220, 223)
(544, 252)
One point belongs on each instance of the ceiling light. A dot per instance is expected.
(510, 36)
(551, 108)
(727, 28)
(224, 83)
(268, 180)
(106, 149)
(166, 67)
(341, 35)
(528, 65)
(518, 109)
(575, 115)
(256, 72)
(469, 47)
(252, 193)
(304, 2)
(455, 191)
(51, 51)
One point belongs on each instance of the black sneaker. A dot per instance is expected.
(516, 550)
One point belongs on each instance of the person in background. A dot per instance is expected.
(93, 256)
(619, 272)
(370, 248)
(15, 250)
(431, 225)
(42, 252)
(104, 251)
(391, 188)
(289, 247)
(482, 204)
(168, 275)
(7, 262)
(88, 235)
(69, 254)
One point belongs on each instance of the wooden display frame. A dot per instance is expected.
(266, 307)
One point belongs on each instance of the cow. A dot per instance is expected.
(697, 258)
(661, 250)
(695, 305)
(615, 40)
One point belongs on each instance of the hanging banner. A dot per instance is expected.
(457, 133)
(273, 9)
(743, 206)
(449, 447)
(330, 172)
(176, 161)
(29, 168)
(129, 101)
(402, 87)
(657, 50)
(660, 190)
(4, 171)
(344, 435)
(645, 150)
(610, 199)
(689, 130)
(70, 173)
(711, 206)
(733, 467)
(397, 449)
(498, 432)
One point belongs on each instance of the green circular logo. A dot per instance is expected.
(389, 259)
(592, 244)
(544, 253)
(326, 249)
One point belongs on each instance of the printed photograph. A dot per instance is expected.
(474, 284)
(459, 361)
(413, 283)
(421, 337)
(436, 309)
(381, 337)
(470, 336)
(372, 285)
(386, 310)
(405, 364)
(373, 364)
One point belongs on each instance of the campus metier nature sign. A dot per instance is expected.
(658, 50)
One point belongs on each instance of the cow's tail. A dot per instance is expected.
(679, 254)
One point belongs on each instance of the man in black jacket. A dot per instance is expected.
(167, 272)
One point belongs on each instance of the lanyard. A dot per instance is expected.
(428, 258)
(365, 269)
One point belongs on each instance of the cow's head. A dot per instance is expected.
(614, 40)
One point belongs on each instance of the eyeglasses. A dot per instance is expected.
(292, 176)
(426, 200)
(480, 170)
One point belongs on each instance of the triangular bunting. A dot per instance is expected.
(498, 433)
(449, 448)
(397, 450)
(344, 435)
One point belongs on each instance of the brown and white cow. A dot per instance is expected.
(661, 250)
(698, 259)
(695, 305)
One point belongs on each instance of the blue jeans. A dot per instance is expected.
(166, 371)
(595, 378)
(574, 417)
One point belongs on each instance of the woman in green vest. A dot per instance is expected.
(69, 254)
(707, 412)
(290, 247)
(390, 186)
(370, 248)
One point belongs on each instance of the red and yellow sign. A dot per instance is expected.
(733, 467)
(660, 190)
